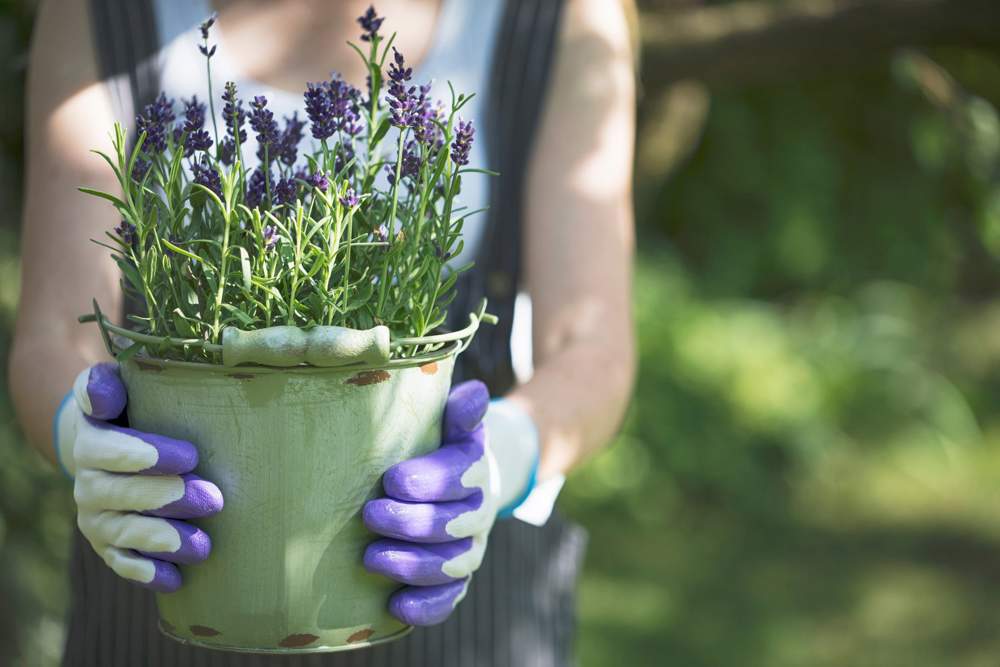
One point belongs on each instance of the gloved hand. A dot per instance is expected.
(131, 488)
(439, 508)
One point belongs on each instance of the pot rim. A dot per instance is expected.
(451, 350)
(435, 347)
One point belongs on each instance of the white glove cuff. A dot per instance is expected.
(514, 441)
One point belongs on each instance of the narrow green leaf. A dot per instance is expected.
(245, 268)
(181, 251)
(104, 195)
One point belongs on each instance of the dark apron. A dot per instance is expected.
(520, 609)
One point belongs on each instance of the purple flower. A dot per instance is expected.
(126, 232)
(333, 106)
(234, 113)
(154, 121)
(426, 119)
(349, 199)
(317, 180)
(400, 98)
(257, 187)
(319, 108)
(462, 144)
(370, 22)
(227, 151)
(270, 237)
(198, 138)
(262, 122)
(207, 175)
(207, 24)
(410, 166)
(285, 191)
(288, 142)
(346, 101)
(203, 47)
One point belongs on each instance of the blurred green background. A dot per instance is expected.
(810, 473)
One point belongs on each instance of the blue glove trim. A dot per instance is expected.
(508, 511)
(55, 433)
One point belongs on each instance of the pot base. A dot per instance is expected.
(187, 641)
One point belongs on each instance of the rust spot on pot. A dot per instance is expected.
(242, 376)
(369, 377)
(360, 635)
(204, 631)
(146, 366)
(294, 641)
(429, 369)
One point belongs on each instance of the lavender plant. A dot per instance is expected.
(309, 236)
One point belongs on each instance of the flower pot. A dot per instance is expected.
(297, 452)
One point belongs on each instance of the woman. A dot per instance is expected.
(556, 100)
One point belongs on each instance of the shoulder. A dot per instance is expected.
(68, 108)
(594, 50)
(594, 54)
(62, 50)
(608, 22)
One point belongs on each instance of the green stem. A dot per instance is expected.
(267, 178)
(392, 219)
(211, 98)
(347, 259)
(220, 291)
(295, 270)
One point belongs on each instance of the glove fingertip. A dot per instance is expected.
(173, 457)
(100, 392)
(166, 577)
(465, 409)
(426, 605)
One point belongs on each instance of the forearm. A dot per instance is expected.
(42, 370)
(577, 398)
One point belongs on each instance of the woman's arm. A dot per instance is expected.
(579, 240)
(68, 113)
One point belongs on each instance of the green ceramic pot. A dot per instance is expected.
(297, 452)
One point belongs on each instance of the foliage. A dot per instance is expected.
(206, 243)
(808, 476)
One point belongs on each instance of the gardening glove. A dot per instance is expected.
(439, 508)
(132, 489)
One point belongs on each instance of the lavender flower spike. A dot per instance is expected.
(318, 180)
(154, 121)
(126, 232)
(207, 175)
(320, 110)
(349, 199)
(462, 144)
(288, 141)
(233, 113)
(262, 122)
(401, 101)
(257, 188)
(207, 24)
(370, 22)
(285, 191)
(197, 138)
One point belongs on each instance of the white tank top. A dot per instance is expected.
(461, 52)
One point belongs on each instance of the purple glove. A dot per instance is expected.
(439, 508)
(131, 488)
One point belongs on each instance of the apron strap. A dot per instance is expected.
(522, 64)
(128, 45)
